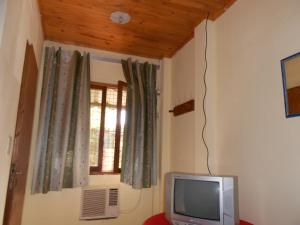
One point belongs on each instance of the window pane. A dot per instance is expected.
(110, 130)
(95, 119)
(111, 97)
(123, 117)
(124, 95)
(96, 96)
(109, 126)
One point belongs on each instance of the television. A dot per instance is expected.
(201, 200)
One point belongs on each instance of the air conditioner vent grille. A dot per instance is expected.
(93, 202)
(113, 197)
(98, 203)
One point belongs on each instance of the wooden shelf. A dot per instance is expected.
(183, 108)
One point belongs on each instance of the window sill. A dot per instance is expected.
(104, 173)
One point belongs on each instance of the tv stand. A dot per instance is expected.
(160, 219)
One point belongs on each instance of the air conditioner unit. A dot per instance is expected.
(99, 203)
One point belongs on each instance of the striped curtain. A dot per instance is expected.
(63, 132)
(139, 153)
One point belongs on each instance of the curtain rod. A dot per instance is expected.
(111, 59)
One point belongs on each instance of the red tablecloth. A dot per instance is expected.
(160, 219)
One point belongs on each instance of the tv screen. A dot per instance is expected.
(197, 198)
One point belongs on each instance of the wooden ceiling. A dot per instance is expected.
(158, 28)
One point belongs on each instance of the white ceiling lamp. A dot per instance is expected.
(120, 17)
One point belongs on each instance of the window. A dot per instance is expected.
(107, 120)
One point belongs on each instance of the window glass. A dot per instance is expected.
(110, 130)
(123, 118)
(103, 131)
(95, 121)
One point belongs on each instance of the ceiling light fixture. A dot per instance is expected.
(120, 17)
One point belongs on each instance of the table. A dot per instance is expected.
(160, 219)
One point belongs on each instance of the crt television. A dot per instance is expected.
(201, 200)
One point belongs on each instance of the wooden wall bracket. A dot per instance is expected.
(186, 107)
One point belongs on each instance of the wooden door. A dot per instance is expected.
(22, 140)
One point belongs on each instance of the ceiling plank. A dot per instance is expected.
(158, 28)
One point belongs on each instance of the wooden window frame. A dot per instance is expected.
(97, 170)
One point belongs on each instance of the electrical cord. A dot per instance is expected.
(204, 98)
(128, 211)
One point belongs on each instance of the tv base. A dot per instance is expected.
(160, 219)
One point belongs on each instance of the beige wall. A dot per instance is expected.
(21, 23)
(3, 4)
(256, 141)
(164, 121)
(247, 134)
(187, 151)
(182, 89)
(210, 107)
(62, 208)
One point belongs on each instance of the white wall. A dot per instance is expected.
(21, 23)
(256, 141)
(62, 208)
